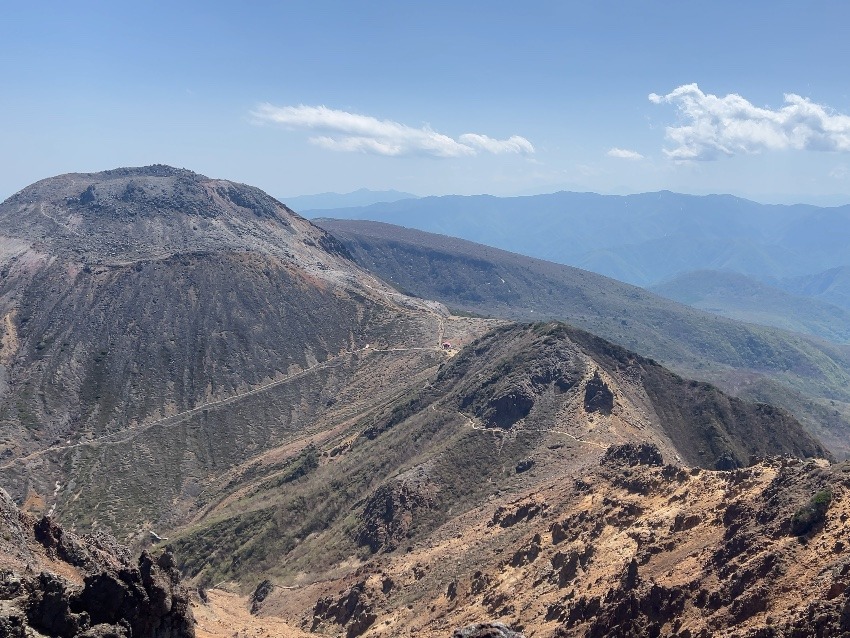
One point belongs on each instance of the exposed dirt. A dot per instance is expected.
(227, 615)
(627, 549)
(187, 358)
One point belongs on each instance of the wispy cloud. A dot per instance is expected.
(514, 144)
(716, 126)
(622, 153)
(344, 131)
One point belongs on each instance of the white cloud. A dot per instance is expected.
(345, 131)
(514, 144)
(714, 126)
(623, 153)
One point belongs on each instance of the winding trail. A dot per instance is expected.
(56, 221)
(171, 420)
(129, 433)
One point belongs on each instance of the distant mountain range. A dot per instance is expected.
(640, 239)
(806, 375)
(832, 286)
(740, 297)
(184, 360)
(309, 204)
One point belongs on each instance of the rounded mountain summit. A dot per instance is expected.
(136, 294)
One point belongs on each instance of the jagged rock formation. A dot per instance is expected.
(351, 609)
(486, 630)
(58, 584)
(389, 512)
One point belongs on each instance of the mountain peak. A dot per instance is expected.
(132, 213)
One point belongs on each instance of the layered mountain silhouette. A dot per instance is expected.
(740, 297)
(360, 197)
(806, 375)
(641, 239)
(186, 361)
(832, 286)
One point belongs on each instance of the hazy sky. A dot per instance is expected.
(750, 98)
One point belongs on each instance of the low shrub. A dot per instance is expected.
(811, 514)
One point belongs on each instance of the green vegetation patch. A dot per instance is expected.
(812, 514)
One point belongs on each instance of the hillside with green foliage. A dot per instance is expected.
(831, 286)
(740, 297)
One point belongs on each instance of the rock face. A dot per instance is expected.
(389, 514)
(598, 396)
(351, 609)
(114, 598)
(486, 630)
(632, 454)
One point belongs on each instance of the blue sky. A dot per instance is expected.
(436, 97)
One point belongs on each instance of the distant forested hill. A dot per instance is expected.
(640, 239)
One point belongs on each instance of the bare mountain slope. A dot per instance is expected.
(632, 547)
(806, 375)
(545, 399)
(186, 357)
(133, 301)
(523, 481)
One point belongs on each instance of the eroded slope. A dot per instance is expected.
(159, 327)
(517, 406)
(630, 547)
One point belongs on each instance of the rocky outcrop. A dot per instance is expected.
(351, 609)
(486, 630)
(632, 454)
(116, 598)
(145, 601)
(390, 513)
(508, 389)
(512, 513)
(598, 396)
(260, 594)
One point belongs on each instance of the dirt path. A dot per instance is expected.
(171, 420)
(174, 419)
(227, 615)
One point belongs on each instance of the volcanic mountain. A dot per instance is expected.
(133, 301)
(185, 357)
